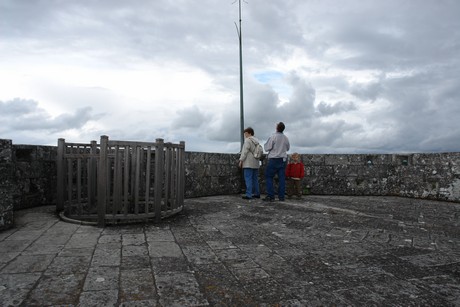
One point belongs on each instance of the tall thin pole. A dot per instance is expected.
(240, 36)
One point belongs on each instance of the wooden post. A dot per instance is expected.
(102, 181)
(126, 170)
(137, 175)
(159, 170)
(117, 181)
(168, 173)
(92, 175)
(79, 171)
(147, 179)
(60, 175)
(181, 173)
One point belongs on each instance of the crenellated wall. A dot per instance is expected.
(28, 176)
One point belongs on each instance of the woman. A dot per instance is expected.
(250, 164)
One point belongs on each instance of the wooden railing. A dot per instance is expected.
(120, 181)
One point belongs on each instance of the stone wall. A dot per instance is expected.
(35, 175)
(7, 185)
(432, 176)
(209, 174)
(28, 176)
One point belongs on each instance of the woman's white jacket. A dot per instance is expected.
(247, 153)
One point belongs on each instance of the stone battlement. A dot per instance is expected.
(28, 176)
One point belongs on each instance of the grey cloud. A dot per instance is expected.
(342, 106)
(190, 117)
(320, 133)
(260, 112)
(23, 114)
(17, 106)
(387, 36)
(367, 91)
(411, 46)
(301, 103)
(263, 110)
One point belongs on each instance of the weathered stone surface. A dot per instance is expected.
(102, 278)
(211, 174)
(15, 287)
(179, 289)
(164, 249)
(137, 285)
(107, 254)
(7, 185)
(98, 298)
(35, 174)
(226, 251)
(55, 290)
(28, 263)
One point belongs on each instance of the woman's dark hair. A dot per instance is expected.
(280, 127)
(249, 130)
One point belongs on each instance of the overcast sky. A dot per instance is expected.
(345, 76)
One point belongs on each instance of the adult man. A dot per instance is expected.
(277, 146)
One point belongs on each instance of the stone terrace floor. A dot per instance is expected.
(225, 251)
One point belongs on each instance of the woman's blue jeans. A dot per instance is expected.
(276, 166)
(251, 178)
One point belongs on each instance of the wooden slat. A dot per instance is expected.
(102, 182)
(132, 179)
(147, 179)
(127, 163)
(79, 185)
(137, 180)
(159, 164)
(92, 173)
(167, 179)
(181, 173)
(69, 179)
(60, 167)
(117, 181)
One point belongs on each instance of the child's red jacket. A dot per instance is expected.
(295, 170)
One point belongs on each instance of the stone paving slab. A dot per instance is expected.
(226, 251)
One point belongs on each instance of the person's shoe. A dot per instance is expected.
(281, 199)
(255, 196)
(245, 197)
(269, 199)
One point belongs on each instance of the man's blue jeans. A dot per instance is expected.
(276, 166)
(251, 178)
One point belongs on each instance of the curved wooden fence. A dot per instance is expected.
(120, 181)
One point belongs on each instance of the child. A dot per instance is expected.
(294, 173)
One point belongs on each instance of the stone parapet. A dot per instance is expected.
(7, 184)
(35, 172)
(28, 175)
(208, 174)
(432, 176)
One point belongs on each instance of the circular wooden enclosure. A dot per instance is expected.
(119, 181)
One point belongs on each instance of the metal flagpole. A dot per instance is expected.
(240, 37)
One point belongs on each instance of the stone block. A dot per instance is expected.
(336, 159)
(313, 159)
